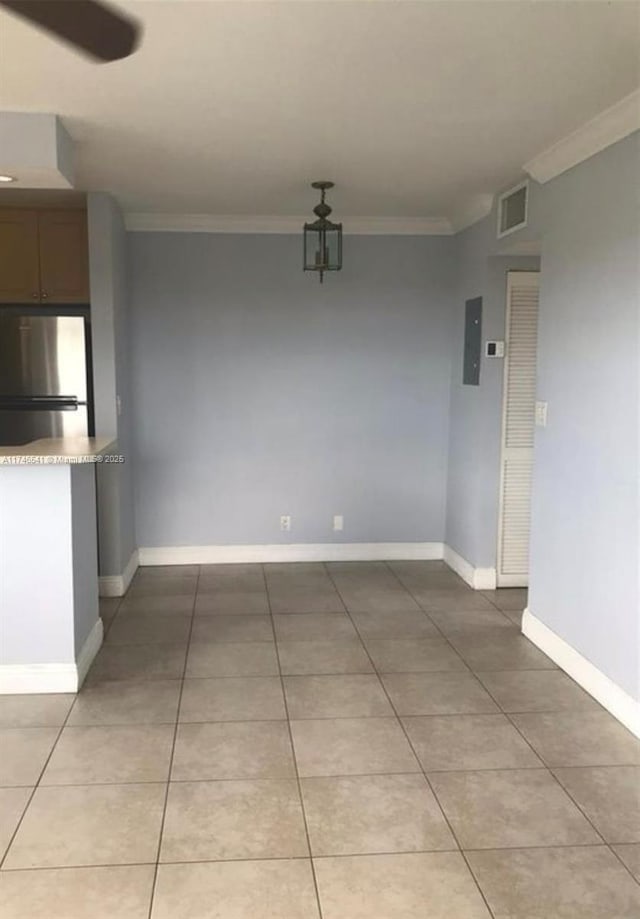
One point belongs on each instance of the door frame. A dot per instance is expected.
(508, 580)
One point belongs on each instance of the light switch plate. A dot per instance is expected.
(541, 414)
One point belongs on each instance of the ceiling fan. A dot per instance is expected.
(91, 26)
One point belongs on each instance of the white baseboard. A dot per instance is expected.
(116, 585)
(478, 578)
(299, 552)
(616, 701)
(513, 580)
(88, 651)
(37, 678)
(48, 678)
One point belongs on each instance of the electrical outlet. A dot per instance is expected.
(285, 523)
(338, 522)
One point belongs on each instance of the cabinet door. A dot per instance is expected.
(64, 257)
(19, 275)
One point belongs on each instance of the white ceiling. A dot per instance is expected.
(412, 108)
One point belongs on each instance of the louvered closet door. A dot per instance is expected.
(518, 428)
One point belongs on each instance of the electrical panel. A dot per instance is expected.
(472, 341)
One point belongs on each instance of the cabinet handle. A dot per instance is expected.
(44, 295)
(35, 295)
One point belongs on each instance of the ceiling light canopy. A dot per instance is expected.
(322, 238)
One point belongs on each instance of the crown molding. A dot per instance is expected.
(212, 223)
(397, 226)
(235, 223)
(474, 210)
(605, 129)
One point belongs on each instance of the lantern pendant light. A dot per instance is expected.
(322, 238)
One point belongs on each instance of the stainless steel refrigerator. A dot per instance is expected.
(45, 376)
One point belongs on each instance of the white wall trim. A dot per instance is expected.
(88, 651)
(478, 578)
(621, 705)
(240, 223)
(115, 585)
(397, 226)
(512, 580)
(48, 678)
(298, 552)
(605, 129)
(37, 678)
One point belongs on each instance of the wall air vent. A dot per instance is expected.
(512, 209)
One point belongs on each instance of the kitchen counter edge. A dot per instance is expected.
(52, 451)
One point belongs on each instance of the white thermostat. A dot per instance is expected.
(494, 349)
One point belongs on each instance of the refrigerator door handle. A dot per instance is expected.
(41, 403)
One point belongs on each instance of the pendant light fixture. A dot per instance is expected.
(322, 238)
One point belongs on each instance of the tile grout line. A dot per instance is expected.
(35, 787)
(46, 763)
(584, 813)
(407, 738)
(167, 679)
(432, 621)
(451, 645)
(546, 765)
(586, 816)
(293, 749)
(624, 865)
(478, 676)
(134, 724)
(323, 775)
(468, 669)
(173, 748)
(550, 769)
(396, 716)
(303, 858)
(507, 715)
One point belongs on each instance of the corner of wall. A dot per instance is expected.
(478, 578)
(109, 309)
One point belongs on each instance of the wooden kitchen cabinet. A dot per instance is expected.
(44, 256)
(64, 261)
(19, 257)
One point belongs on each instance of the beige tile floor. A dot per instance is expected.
(341, 741)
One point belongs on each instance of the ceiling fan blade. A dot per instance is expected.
(91, 26)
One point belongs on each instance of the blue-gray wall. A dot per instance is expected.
(111, 363)
(584, 534)
(259, 392)
(584, 567)
(476, 411)
(82, 496)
